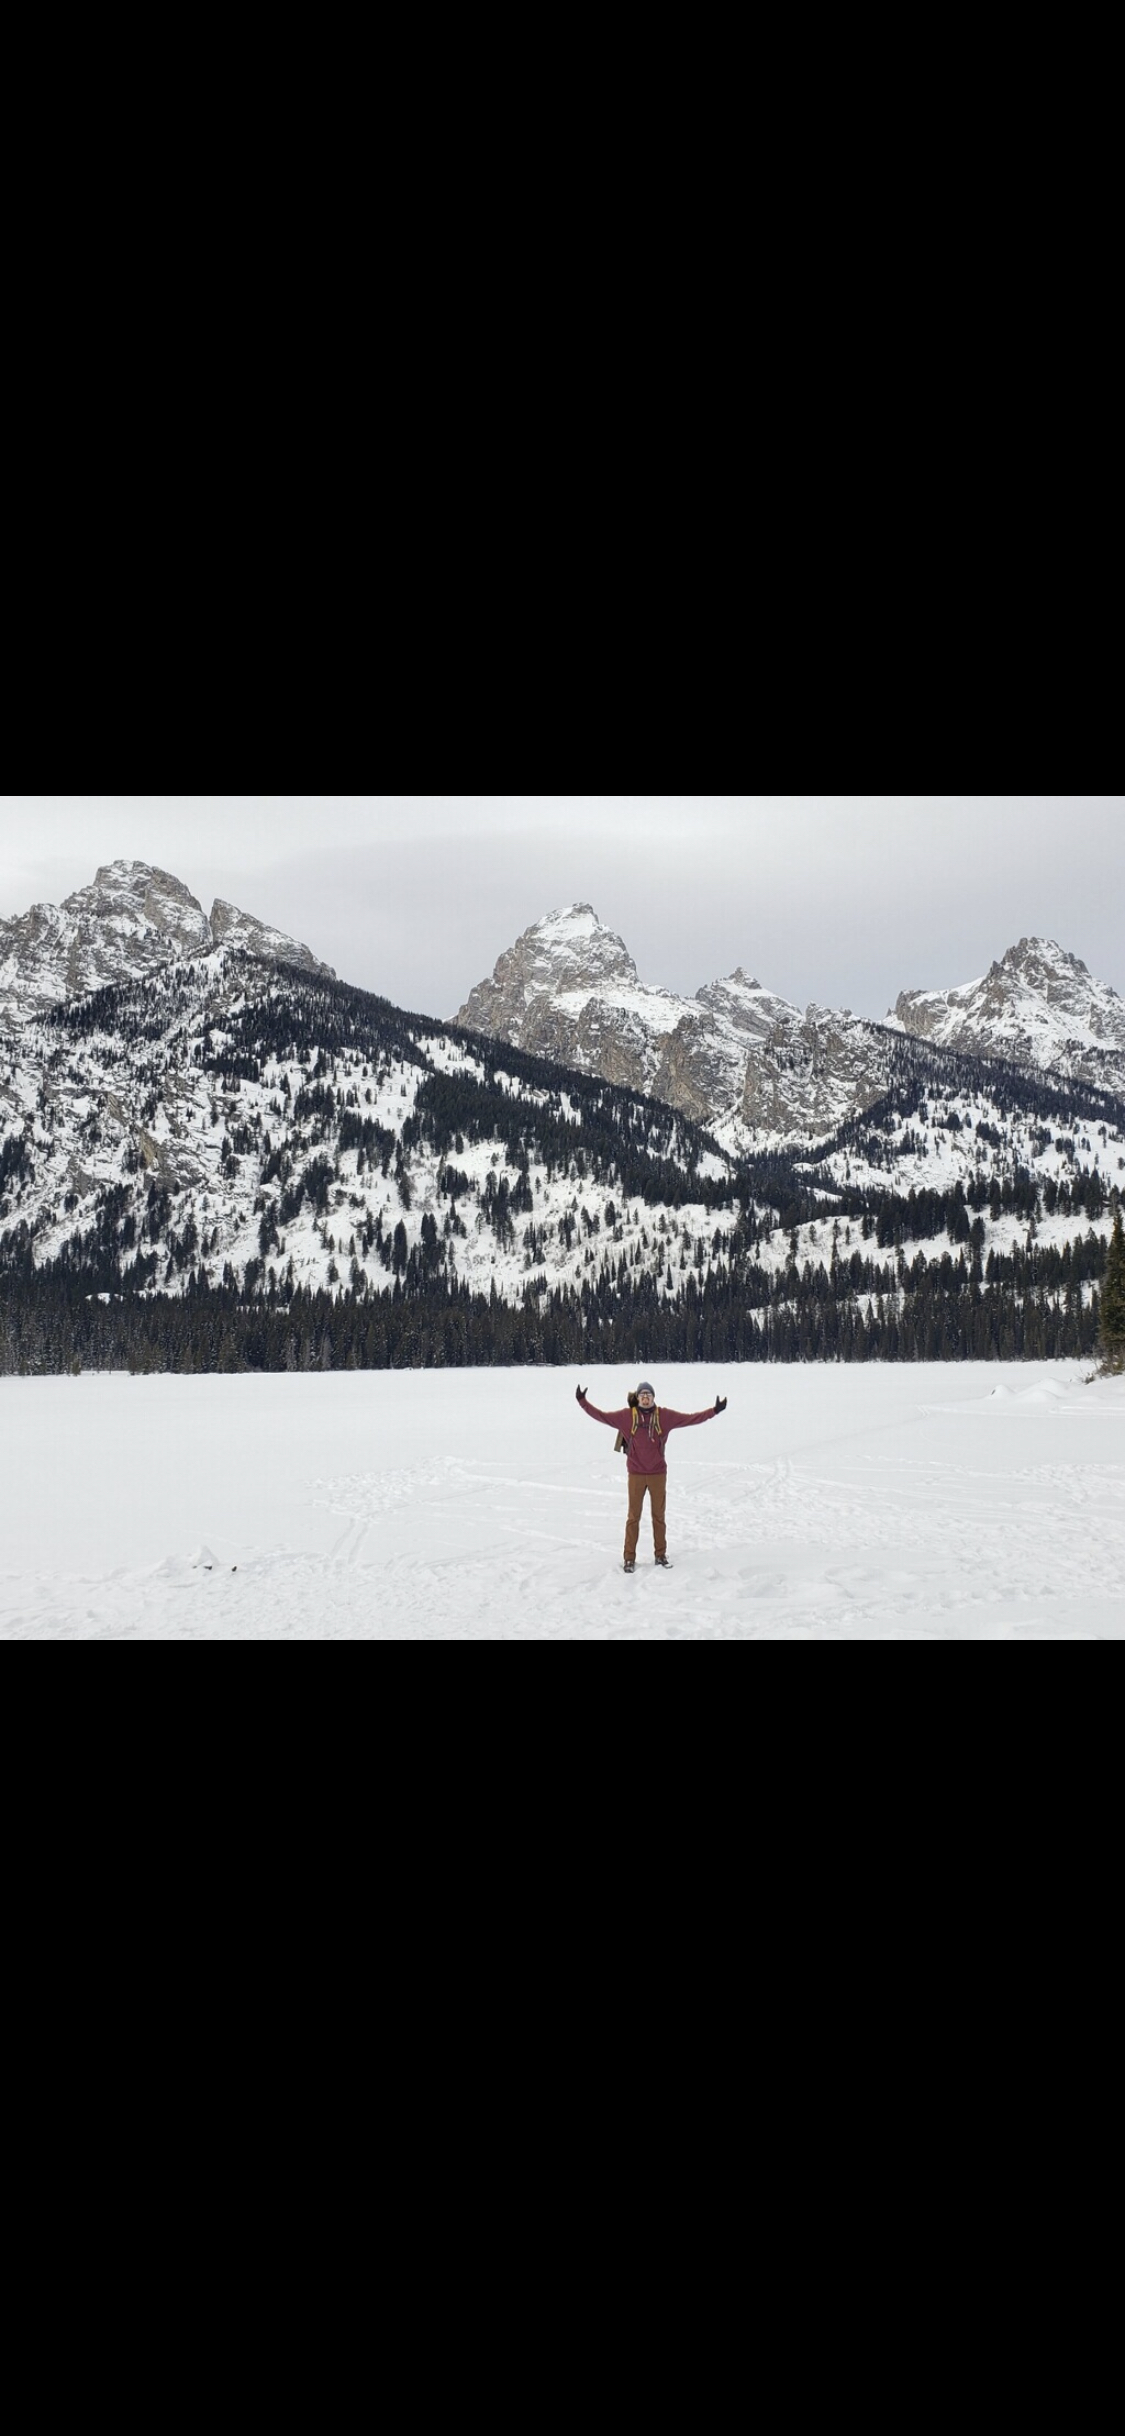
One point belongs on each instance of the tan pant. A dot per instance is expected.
(657, 1485)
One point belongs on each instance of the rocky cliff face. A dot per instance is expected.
(736, 1058)
(1039, 1007)
(131, 920)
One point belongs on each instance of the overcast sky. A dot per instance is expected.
(843, 898)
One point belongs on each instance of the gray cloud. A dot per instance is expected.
(843, 898)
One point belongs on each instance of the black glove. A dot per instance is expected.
(720, 1404)
(579, 1395)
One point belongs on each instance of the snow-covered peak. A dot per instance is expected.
(568, 951)
(570, 947)
(140, 901)
(132, 919)
(1043, 965)
(1038, 1006)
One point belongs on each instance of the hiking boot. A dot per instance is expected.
(665, 1561)
(629, 1566)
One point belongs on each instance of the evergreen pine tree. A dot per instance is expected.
(1112, 1330)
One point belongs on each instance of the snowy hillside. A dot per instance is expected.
(239, 1125)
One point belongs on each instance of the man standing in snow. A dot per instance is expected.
(644, 1426)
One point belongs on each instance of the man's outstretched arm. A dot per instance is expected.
(670, 1420)
(613, 1420)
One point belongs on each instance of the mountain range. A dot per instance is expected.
(738, 1058)
(222, 1156)
(741, 1060)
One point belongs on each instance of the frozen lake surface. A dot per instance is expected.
(946, 1501)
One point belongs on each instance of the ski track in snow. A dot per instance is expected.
(983, 1501)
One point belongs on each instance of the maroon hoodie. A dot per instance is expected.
(646, 1443)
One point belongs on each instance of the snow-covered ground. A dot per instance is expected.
(967, 1501)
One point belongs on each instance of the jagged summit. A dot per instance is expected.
(131, 919)
(1038, 1005)
(569, 950)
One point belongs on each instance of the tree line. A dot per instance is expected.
(935, 1312)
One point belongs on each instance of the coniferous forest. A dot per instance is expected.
(46, 1326)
